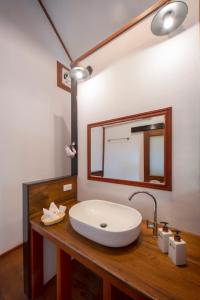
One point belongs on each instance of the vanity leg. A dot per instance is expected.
(64, 276)
(36, 264)
(107, 290)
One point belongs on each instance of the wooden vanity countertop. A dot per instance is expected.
(140, 266)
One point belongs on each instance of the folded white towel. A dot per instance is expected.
(53, 212)
(47, 213)
(53, 208)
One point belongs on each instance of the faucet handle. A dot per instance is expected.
(177, 236)
(165, 227)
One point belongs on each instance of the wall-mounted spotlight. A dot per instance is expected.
(79, 72)
(169, 18)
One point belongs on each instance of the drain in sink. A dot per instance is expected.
(103, 225)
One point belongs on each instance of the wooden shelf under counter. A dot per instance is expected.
(139, 270)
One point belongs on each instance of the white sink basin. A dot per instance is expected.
(106, 223)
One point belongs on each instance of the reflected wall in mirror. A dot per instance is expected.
(132, 150)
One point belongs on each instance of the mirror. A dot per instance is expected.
(132, 150)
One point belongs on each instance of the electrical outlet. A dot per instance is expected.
(67, 187)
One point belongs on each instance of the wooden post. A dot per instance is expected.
(107, 290)
(64, 276)
(74, 129)
(36, 264)
(26, 243)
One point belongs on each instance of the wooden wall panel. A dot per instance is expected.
(42, 194)
(37, 195)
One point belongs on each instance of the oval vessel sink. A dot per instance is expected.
(107, 223)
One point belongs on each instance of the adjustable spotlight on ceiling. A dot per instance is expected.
(169, 18)
(79, 72)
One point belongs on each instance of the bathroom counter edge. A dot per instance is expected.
(140, 267)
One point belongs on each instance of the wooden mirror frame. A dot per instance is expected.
(167, 112)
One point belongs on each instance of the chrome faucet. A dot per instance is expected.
(154, 224)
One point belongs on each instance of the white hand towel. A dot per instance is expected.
(53, 208)
(47, 213)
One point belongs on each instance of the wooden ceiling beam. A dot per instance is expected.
(124, 28)
(55, 30)
(117, 33)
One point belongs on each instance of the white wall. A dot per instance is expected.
(160, 72)
(34, 113)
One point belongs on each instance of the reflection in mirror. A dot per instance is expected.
(97, 151)
(134, 150)
(154, 156)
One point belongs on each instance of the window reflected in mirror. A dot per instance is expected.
(133, 150)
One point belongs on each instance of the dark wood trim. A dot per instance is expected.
(37, 271)
(41, 195)
(36, 195)
(147, 127)
(149, 114)
(64, 275)
(167, 112)
(131, 182)
(10, 250)
(158, 178)
(26, 242)
(49, 180)
(59, 77)
(130, 269)
(74, 126)
(123, 29)
(54, 29)
(107, 290)
(103, 154)
(112, 280)
(89, 128)
(97, 173)
(114, 35)
(168, 149)
(147, 135)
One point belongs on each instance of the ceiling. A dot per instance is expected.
(84, 24)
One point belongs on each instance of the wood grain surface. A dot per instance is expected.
(140, 270)
(36, 196)
(41, 195)
(134, 21)
(85, 285)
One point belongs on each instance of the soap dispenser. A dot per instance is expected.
(177, 249)
(163, 237)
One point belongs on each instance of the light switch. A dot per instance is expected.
(67, 187)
